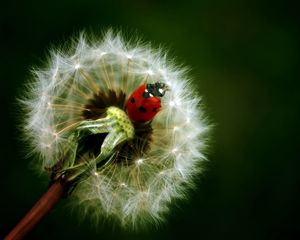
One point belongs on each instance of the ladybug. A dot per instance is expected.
(144, 102)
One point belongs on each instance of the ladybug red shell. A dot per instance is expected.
(144, 103)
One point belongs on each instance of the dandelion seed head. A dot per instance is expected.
(145, 175)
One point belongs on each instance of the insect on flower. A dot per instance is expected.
(119, 126)
(144, 103)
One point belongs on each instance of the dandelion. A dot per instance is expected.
(118, 128)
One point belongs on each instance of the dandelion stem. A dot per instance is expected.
(39, 210)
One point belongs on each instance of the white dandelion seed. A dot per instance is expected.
(143, 175)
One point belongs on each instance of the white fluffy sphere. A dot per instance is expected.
(141, 180)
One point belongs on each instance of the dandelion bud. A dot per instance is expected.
(118, 166)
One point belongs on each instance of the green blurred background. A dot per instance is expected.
(244, 57)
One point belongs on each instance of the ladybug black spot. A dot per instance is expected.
(142, 121)
(132, 100)
(142, 109)
(154, 109)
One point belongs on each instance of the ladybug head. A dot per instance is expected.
(157, 89)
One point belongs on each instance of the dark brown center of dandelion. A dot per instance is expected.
(125, 153)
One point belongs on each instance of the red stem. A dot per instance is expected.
(40, 209)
